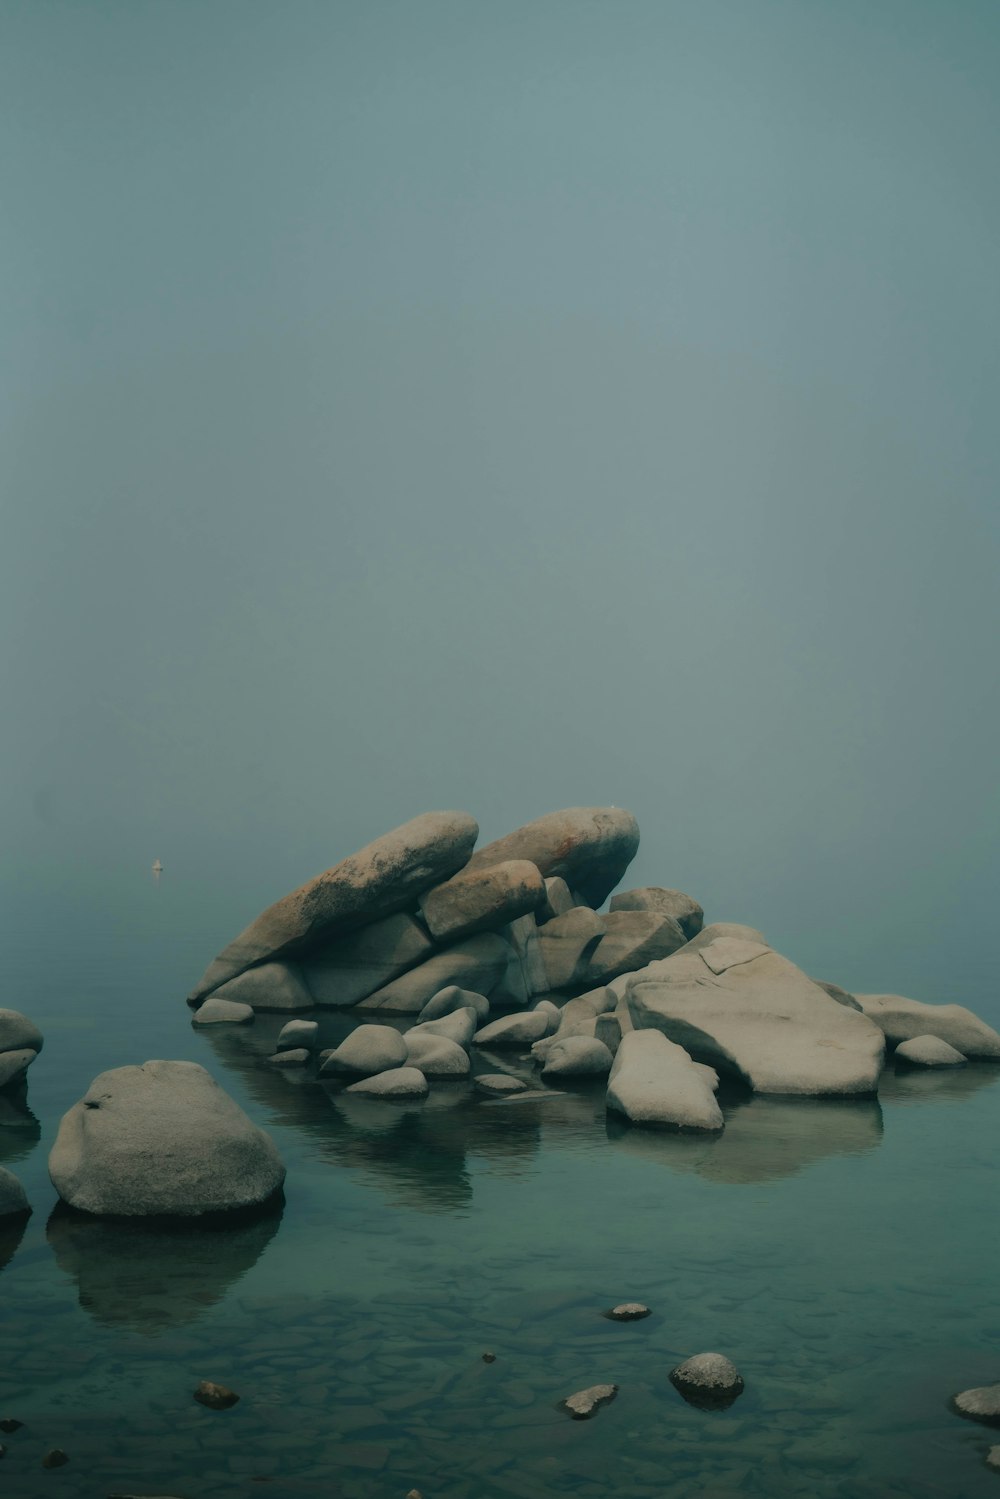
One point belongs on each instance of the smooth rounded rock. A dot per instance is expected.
(13, 1200)
(451, 998)
(267, 987)
(993, 1457)
(577, 1056)
(13, 1064)
(18, 1033)
(161, 1139)
(708, 1379)
(929, 1051)
(499, 1084)
(297, 1033)
(980, 1404)
(653, 1081)
(398, 1082)
(295, 1056)
(480, 900)
(901, 1019)
(459, 1026)
(55, 1458)
(216, 1396)
(367, 1050)
(516, 1030)
(437, 1056)
(216, 1011)
(684, 909)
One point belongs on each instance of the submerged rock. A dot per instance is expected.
(13, 1200)
(367, 1050)
(628, 1311)
(499, 1083)
(708, 1380)
(586, 1403)
(588, 847)
(377, 881)
(980, 1404)
(654, 1081)
(55, 1458)
(929, 1051)
(903, 1019)
(216, 1396)
(161, 1138)
(294, 1056)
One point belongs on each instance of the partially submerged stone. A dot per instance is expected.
(349, 968)
(628, 1311)
(13, 1200)
(655, 1082)
(498, 1084)
(577, 1056)
(902, 1019)
(929, 1051)
(216, 1396)
(161, 1138)
(436, 1056)
(298, 1033)
(980, 1404)
(399, 1082)
(475, 963)
(588, 847)
(216, 1011)
(733, 1002)
(18, 1033)
(586, 1403)
(459, 1026)
(684, 909)
(479, 900)
(708, 1380)
(378, 880)
(294, 1056)
(269, 986)
(367, 1050)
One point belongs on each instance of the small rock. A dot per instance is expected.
(499, 1082)
(517, 1030)
(929, 1051)
(217, 1011)
(55, 1458)
(367, 1050)
(414, 1494)
(577, 1056)
(628, 1311)
(453, 998)
(708, 1380)
(9, 1424)
(981, 1404)
(585, 1403)
(298, 1056)
(297, 1033)
(993, 1458)
(396, 1082)
(489, 1358)
(216, 1396)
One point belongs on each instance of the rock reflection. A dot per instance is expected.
(11, 1234)
(765, 1137)
(19, 1129)
(151, 1277)
(939, 1084)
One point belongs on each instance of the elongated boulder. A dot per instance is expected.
(588, 847)
(902, 1019)
(270, 986)
(367, 1050)
(631, 940)
(477, 963)
(480, 900)
(652, 1081)
(459, 1026)
(683, 908)
(379, 880)
(162, 1138)
(735, 1003)
(350, 968)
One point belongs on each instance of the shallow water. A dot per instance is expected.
(843, 1254)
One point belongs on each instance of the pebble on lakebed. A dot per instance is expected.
(489, 1358)
(216, 1396)
(628, 1311)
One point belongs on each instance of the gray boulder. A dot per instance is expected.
(929, 1051)
(13, 1202)
(588, 847)
(559, 899)
(18, 1033)
(735, 1003)
(674, 903)
(577, 1016)
(652, 1081)
(13, 1064)
(399, 1082)
(367, 1050)
(379, 880)
(479, 900)
(446, 1001)
(499, 1083)
(162, 1138)
(981, 1404)
(631, 940)
(608, 1028)
(577, 1056)
(350, 968)
(517, 1030)
(216, 1011)
(566, 945)
(477, 963)
(298, 1033)
(902, 1019)
(271, 986)
(460, 1026)
(708, 1379)
(436, 1056)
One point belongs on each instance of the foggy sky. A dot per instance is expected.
(507, 406)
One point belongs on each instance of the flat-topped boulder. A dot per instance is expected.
(684, 909)
(902, 1019)
(347, 969)
(476, 963)
(379, 880)
(589, 848)
(655, 1082)
(733, 1002)
(480, 900)
(161, 1139)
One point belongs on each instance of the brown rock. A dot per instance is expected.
(216, 1396)
(589, 847)
(479, 900)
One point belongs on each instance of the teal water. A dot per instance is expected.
(843, 1254)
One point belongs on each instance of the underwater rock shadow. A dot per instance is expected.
(11, 1234)
(152, 1275)
(766, 1137)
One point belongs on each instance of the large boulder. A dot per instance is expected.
(588, 847)
(350, 968)
(270, 986)
(477, 963)
(479, 900)
(577, 1056)
(631, 940)
(735, 1003)
(385, 877)
(902, 1019)
(652, 1081)
(161, 1139)
(683, 908)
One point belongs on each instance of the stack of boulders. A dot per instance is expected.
(505, 947)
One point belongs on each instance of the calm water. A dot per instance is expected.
(843, 1254)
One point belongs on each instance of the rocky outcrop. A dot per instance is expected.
(343, 972)
(379, 880)
(929, 1051)
(479, 900)
(674, 903)
(733, 1002)
(902, 1019)
(161, 1139)
(655, 1082)
(588, 847)
(477, 963)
